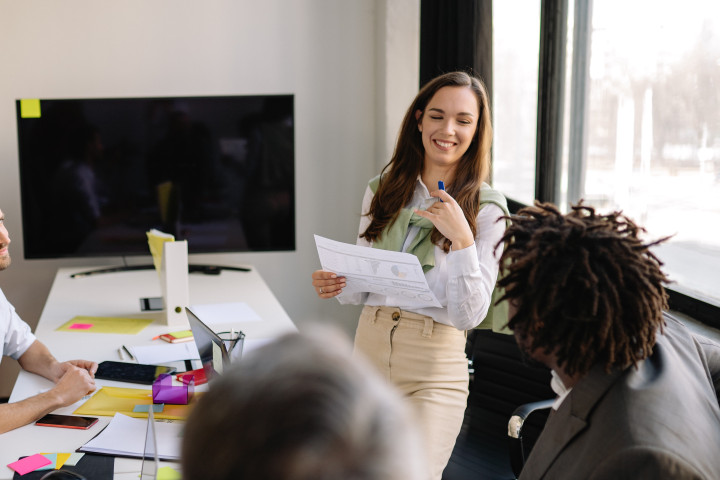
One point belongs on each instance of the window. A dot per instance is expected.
(516, 33)
(642, 122)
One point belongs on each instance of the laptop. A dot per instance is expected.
(213, 350)
(150, 456)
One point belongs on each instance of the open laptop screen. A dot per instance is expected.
(213, 352)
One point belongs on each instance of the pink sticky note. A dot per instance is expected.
(29, 464)
(80, 326)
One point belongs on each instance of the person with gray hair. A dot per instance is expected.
(301, 408)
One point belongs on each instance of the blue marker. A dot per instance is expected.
(441, 186)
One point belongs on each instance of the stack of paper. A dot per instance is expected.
(164, 352)
(125, 437)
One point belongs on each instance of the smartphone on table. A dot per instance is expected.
(66, 421)
(131, 372)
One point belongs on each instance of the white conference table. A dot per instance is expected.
(118, 295)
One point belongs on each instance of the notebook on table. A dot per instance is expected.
(127, 437)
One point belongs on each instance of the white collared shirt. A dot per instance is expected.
(559, 388)
(15, 334)
(462, 280)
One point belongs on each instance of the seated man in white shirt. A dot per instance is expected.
(73, 379)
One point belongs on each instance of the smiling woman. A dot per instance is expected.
(447, 128)
(445, 138)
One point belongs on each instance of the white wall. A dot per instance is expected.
(351, 64)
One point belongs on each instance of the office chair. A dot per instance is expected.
(521, 443)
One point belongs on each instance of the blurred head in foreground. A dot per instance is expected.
(301, 408)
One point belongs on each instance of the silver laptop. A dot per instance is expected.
(213, 350)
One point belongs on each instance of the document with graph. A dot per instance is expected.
(394, 274)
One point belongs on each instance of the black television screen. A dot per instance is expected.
(97, 173)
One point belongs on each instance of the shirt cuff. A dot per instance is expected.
(463, 262)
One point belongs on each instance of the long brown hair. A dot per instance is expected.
(399, 175)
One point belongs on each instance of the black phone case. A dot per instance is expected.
(131, 372)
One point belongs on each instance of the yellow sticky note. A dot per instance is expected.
(127, 326)
(168, 473)
(156, 241)
(61, 459)
(111, 400)
(30, 108)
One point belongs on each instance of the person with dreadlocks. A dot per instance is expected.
(445, 138)
(637, 392)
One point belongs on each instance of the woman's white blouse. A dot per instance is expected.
(462, 280)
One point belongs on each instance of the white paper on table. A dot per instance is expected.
(165, 352)
(225, 313)
(394, 274)
(125, 436)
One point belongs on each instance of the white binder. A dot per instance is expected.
(174, 282)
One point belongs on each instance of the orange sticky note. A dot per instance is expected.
(30, 108)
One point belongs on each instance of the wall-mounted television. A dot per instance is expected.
(97, 173)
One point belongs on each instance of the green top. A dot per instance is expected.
(422, 247)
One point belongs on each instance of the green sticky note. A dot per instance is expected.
(182, 334)
(53, 461)
(157, 408)
(168, 473)
(30, 108)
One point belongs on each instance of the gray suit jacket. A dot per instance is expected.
(659, 421)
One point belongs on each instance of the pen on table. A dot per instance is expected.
(441, 186)
(128, 352)
(120, 352)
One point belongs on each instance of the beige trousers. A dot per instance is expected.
(426, 361)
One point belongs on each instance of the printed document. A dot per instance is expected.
(394, 274)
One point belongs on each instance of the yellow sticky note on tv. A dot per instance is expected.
(30, 108)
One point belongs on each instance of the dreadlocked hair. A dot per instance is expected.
(586, 287)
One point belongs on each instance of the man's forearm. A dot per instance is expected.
(38, 359)
(14, 415)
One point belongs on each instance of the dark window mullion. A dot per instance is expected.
(551, 85)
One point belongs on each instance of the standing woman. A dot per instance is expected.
(445, 136)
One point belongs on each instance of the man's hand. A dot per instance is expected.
(75, 383)
(64, 367)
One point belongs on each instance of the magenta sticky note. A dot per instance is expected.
(29, 464)
(80, 326)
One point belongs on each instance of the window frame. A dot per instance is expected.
(550, 99)
(441, 37)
